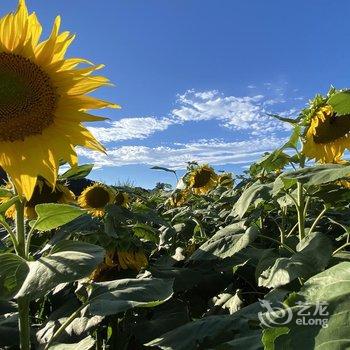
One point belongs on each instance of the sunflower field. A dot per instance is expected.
(254, 261)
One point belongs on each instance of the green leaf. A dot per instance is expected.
(108, 298)
(53, 215)
(253, 193)
(77, 172)
(314, 257)
(164, 169)
(13, 271)
(331, 287)
(312, 176)
(209, 332)
(284, 119)
(9, 203)
(4, 192)
(85, 344)
(250, 340)
(269, 336)
(146, 232)
(68, 262)
(226, 242)
(340, 102)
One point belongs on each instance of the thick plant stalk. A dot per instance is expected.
(23, 303)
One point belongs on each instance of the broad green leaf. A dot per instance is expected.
(85, 344)
(313, 258)
(9, 334)
(269, 336)
(53, 215)
(255, 192)
(212, 331)
(164, 318)
(109, 298)
(276, 160)
(294, 138)
(13, 271)
(314, 176)
(68, 262)
(250, 340)
(330, 287)
(340, 102)
(77, 172)
(146, 232)
(226, 242)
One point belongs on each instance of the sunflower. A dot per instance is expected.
(122, 199)
(177, 198)
(133, 260)
(225, 180)
(43, 101)
(95, 198)
(202, 179)
(327, 136)
(43, 193)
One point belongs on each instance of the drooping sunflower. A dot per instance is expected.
(202, 179)
(43, 100)
(134, 260)
(95, 198)
(122, 199)
(327, 136)
(43, 193)
(225, 180)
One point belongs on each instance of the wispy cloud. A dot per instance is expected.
(215, 152)
(248, 113)
(130, 128)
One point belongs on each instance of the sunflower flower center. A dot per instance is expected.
(27, 98)
(97, 197)
(332, 128)
(202, 178)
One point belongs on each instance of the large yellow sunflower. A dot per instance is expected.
(327, 136)
(43, 101)
(202, 179)
(95, 198)
(43, 193)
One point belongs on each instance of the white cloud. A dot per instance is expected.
(236, 113)
(248, 113)
(215, 152)
(130, 128)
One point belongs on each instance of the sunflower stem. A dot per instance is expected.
(300, 209)
(23, 302)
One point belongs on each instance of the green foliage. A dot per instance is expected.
(51, 216)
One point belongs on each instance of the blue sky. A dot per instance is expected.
(195, 78)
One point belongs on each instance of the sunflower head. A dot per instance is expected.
(43, 101)
(225, 180)
(327, 136)
(122, 199)
(133, 260)
(202, 179)
(177, 198)
(95, 198)
(43, 193)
